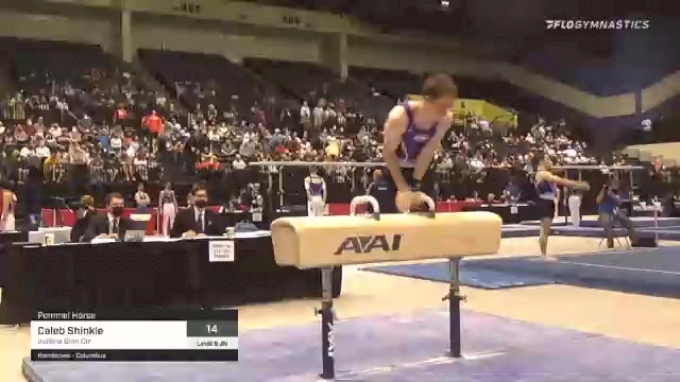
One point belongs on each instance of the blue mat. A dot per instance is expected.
(649, 271)
(470, 275)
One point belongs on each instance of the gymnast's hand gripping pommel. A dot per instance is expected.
(360, 239)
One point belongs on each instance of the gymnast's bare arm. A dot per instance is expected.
(425, 157)
(308, 181)
(6, 201)
(546, 176)
(395, 127)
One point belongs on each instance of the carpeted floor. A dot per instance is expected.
(407, 348)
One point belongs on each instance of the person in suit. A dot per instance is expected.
(112, 225)
(84, 214)
(197, 220)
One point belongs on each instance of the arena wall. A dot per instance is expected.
(86, 30)
(235, 47)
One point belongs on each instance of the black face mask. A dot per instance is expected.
(200, 203)
(117, 211)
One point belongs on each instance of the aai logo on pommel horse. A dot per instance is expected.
(368, 244)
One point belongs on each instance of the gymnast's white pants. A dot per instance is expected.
(574, 203)
(316, 206)
(168, 214)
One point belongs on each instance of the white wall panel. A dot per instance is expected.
(235, 47)
(59, 28)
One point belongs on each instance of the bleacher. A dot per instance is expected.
(312, 82)
(396, 84)
(92, 81)
(203, 79)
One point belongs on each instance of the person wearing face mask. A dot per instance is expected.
(197, 220)
(84, 215)
(112, 225)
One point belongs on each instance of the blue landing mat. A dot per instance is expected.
(651, 271)
(518, 230)
(638, 222)
(595, 232)
(664, 233)
(470, 275)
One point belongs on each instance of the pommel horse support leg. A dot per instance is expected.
(325, 242)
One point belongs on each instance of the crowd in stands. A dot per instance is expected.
(82, 117)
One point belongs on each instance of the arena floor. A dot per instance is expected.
(371, 297)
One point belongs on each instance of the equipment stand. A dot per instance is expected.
(454, 298)
(327, 324)
(328, 318)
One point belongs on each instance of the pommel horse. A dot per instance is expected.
(325, 242)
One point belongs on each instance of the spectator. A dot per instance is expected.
(142, 199)
(153, 124)
(238, 163)
(42, 151)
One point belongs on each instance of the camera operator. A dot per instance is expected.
(608, 206)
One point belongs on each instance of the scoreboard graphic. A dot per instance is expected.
(135, 335)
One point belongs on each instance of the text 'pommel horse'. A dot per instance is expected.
(325, 242)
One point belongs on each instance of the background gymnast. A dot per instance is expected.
(315, 187)
(546, 187)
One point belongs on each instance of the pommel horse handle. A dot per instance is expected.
(431, 205)
(363, 200)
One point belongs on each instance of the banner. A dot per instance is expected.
(489, 111)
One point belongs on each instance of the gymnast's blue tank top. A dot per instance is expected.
(413, 140)
(315, 185)
(545, 190)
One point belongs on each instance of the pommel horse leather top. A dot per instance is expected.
(318, 242)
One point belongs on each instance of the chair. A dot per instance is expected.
(619, 232)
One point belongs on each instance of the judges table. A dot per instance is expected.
(156, 272)
(6, 239)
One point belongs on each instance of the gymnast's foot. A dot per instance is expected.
(547, 257)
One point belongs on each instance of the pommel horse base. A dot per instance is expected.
(325, 242)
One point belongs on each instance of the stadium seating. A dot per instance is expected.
(312, 82)
(394, 83)
(201, 79)
(95, 83)
(92, 81)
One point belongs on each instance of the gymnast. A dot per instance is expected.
(546, 187)
(315, 188)
(413, 132)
